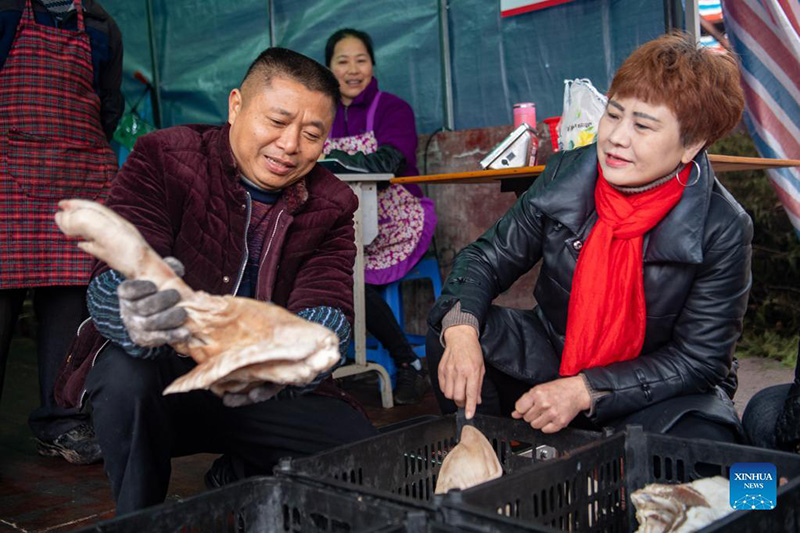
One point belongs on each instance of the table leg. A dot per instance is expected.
(360, 328)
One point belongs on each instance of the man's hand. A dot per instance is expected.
(151, 316)
(551, 406)
(461, 369)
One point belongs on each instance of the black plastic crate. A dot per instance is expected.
(404, 464)
(589, 490)
(266, 504)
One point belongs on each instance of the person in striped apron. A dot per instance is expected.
(60, 100)
(375, 130)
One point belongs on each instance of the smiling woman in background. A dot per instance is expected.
(374, 130)
(645, 269)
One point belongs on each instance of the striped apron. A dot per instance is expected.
(52, 147)
(405, 221)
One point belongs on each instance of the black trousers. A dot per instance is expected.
(500, 392)
(59, 311)
(382, 325)
(140, 430)
(761, 415)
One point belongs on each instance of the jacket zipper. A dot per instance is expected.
(94, 359)
(346, 127)
(246, 251)
(265, 254)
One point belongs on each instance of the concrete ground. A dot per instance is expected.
(756, 374)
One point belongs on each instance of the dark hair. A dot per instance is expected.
(348, 32)
(297, 67)
(701, 87)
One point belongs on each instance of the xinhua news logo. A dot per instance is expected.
(753, 486)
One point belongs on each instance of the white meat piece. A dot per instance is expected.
(471, 462)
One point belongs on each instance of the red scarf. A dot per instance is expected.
(606, 317)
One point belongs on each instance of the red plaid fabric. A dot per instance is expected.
(52, 147)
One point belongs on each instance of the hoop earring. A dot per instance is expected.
(678, 176)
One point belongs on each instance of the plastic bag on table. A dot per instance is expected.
(583, 108)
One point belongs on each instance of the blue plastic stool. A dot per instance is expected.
(426, 268)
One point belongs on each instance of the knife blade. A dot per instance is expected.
(461, 421)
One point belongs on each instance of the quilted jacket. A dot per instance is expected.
(696, 283)
(181, 189)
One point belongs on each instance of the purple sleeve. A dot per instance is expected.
(395, 126)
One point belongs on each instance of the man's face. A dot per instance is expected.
(277, 130)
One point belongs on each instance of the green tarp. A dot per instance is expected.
(203, 48)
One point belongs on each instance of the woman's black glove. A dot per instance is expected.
(386, 159)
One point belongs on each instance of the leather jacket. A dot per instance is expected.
(696, 283)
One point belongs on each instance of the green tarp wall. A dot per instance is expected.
(203, 47)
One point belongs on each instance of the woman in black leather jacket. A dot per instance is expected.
(645, 269)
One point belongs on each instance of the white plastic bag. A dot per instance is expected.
(583, 108)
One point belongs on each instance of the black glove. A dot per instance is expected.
(386, 159)
(151, 316)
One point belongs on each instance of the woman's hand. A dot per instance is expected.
(551, 406)
(461, 369)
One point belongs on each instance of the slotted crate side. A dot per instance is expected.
(265, 504)
(488, 523)
(589, 491)
(672, 460)
(400, 462)
(785, 518)
(677, 460)
(406, 462)
(583, 492)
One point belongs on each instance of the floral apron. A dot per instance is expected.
(52, 147)
(405, 221)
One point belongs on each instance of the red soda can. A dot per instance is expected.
(525, 113)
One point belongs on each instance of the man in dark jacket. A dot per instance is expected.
(245, 210)
(60, 101)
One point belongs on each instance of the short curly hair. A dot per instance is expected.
(700, 86)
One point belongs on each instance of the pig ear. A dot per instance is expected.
(175, 264)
